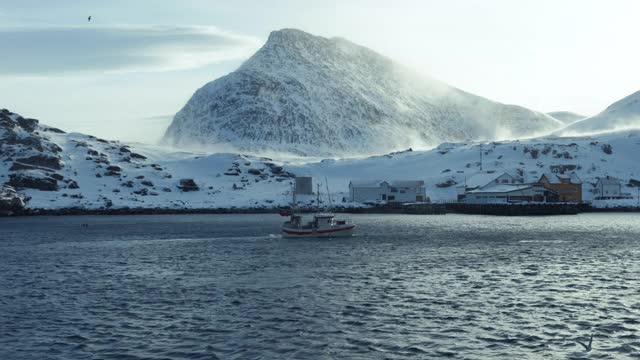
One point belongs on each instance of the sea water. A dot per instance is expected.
(227, 286)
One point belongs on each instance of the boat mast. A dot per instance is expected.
(293, 205)
(318, 199)
(328, 194)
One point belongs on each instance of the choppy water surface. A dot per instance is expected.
(223, 286)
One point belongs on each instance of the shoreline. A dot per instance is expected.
(229, 211)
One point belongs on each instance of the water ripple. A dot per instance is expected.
(219, 287)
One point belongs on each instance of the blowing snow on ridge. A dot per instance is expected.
(621, 115)
(313, 96)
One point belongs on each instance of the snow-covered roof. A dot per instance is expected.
(407, 183)
(609, 180)
(558, 178)
(482, 179)
(367, 183)
(500, 188)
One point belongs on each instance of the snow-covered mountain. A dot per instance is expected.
(566, 117)
(51, 169)
(621, 115)
(309, 95)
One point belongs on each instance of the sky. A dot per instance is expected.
(125, 73)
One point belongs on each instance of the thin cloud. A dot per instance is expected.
(45, 51)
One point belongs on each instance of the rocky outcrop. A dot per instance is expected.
(33, 180)
(29, 125)
(10, 200)
(42, 161)
(137, 156)
(188, 185)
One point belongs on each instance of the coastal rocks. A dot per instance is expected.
(54, 130)
(16, 166)
(29, 141)
(43, 161)
(33, 180)
(113, 170)
(10, 200)
(72, 184)
(188, 185)
(142, 192)
(29, 125)
(137, 156)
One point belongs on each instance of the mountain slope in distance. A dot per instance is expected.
(313, 96)
(624, 114)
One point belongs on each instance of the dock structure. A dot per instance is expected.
(515, 209)
(397, 208)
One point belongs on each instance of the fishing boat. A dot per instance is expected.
(323, 224)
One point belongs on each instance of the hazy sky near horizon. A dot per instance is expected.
(137, 62)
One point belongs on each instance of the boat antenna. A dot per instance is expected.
(328, 193)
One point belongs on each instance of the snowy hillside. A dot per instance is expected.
(54, 170)
(59, 170)
(309, 95)
(449, 164)
(566, 117)
(621, 115)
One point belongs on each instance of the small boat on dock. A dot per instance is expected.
(321, 225)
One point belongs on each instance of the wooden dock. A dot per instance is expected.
(476, 209)
(514, 209)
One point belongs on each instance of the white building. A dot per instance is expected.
(367, 190)
(510, 194)
(407, 191)
(609, 188)
(484, 180)
(371, 191)
(304, 185)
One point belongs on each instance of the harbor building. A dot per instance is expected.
(304, 185)
(511, 194)
(609, 187)
(376, 191)
(568, 186)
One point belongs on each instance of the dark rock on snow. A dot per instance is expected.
(188, 185)
(33, 181)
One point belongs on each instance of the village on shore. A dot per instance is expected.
(486, 192)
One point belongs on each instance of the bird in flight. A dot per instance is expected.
(587, 347)
(89, 19)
